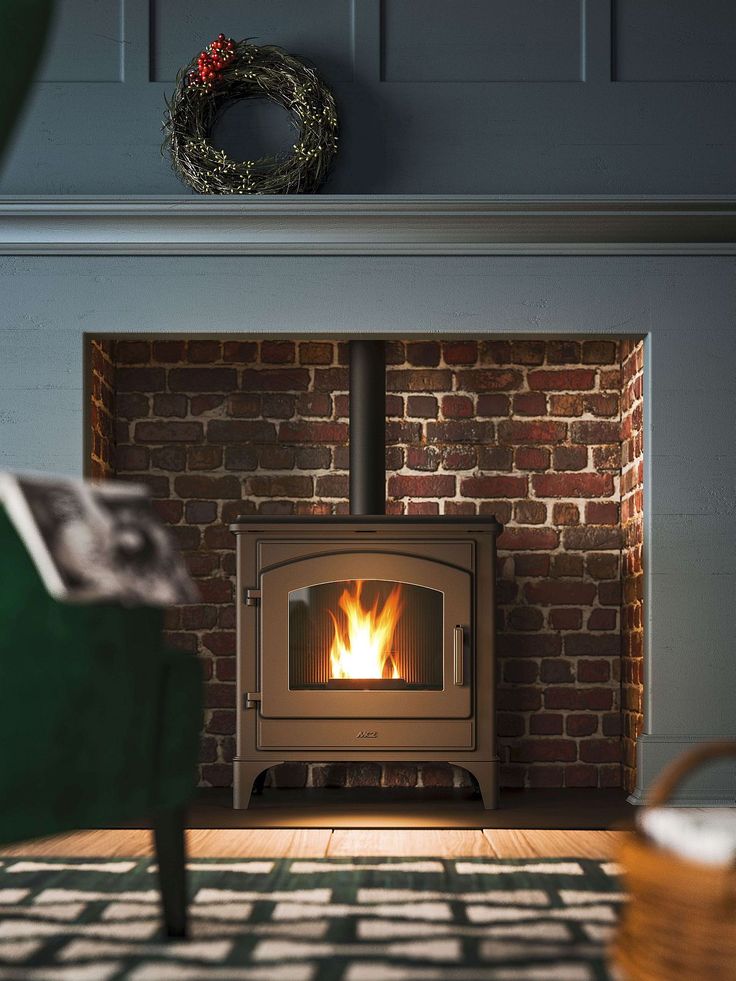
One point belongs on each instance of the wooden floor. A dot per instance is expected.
(338, 842)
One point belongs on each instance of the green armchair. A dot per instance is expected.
(99, 724)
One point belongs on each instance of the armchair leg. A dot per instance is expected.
(168, 831)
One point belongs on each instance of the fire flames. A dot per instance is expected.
(362, 648)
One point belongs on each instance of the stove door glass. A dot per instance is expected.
(366, 634)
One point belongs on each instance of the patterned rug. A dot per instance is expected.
(307, 920)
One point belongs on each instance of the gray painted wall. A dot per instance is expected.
(684, 306)
(436, 96)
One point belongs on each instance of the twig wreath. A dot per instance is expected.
(226, 72)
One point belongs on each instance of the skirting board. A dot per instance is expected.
(711, 786)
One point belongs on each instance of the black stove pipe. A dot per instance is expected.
(367, 427)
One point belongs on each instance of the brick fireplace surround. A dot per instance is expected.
(545, 434)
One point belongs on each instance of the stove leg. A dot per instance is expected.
(248, 778)
(487, 776)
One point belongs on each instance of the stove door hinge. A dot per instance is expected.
(251, 597)
(251, 699)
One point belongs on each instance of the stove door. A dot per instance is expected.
(366, 635)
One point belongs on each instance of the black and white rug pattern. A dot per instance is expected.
(307, 920)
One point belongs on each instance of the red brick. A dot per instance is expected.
(525, 618)
(595, 431)
(488, 380)
(168, 432)
(204, 352)
(566, 405)
(169, 511)
(460, 431)
(607, 457)
(422, 457)
(313, 432)
(566, 619)
(600, 750)
(530, 512)
(563, 352)
(531, 458)
(140, 379)
(314, 404)
(284, 485)
(460, 352)
(543, 750)
(422, 507)
(601, 513)
(531, 431)
(436, 775)
(240, 458)
(170, 405)
(201, 404)
(493, 486)
(200, 512)
(599, 352)
(570, 457)
(581, 775)
(216, 590)
(401, 485)
(203, 379)
(566, 566)
(545, 724)
(591, 538)
(204, 457)
(528, 352)
(240, 352)
(495, 352)
(459, 457)
(592, 699)
(133, 352)
(524, 672)
(528, 538)
(560, 592)
(278, 352)
(573, 485)
(316, 352)
(240, 431)
(509, 724)
(277, 380)
(398, 431)
(244, 405)
(584, 724)
(276, 457)
(277, 406)
(592, 672)
(199, 486)
(457, 407)
(132, 405)
(169, 457)
(169, 352)
(529, 645)
(422, 407)
(493, 405)
(494, 457)
(418, 380)
(423, 354)
(131, 458)
(519, 699)
(555, 671)
(530, 404)
(602, 566)
(572, 379)
(330, 380)
(531, 565)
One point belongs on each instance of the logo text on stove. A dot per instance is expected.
(367, 734)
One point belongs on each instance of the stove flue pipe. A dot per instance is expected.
(367, 427)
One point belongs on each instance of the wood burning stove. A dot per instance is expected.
(368, 637)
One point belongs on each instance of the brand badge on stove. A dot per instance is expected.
(367, 734)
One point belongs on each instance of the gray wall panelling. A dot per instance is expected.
(498, 96)
(683, 305)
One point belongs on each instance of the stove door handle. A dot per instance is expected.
(458, 636)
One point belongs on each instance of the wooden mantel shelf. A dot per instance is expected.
(367, 225)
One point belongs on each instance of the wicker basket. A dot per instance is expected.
(680, 921)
